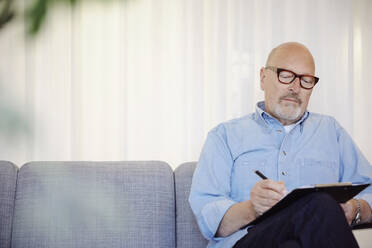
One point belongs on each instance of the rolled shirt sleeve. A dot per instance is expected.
(209, 195)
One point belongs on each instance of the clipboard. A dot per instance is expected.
(341, 192)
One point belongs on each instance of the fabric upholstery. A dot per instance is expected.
(94, 204)
(8, 180)
(188, 234)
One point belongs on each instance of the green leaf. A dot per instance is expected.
(6, 12)
(36, 14)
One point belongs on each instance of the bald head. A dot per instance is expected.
(287, 102)
(290, 53)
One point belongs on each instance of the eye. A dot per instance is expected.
(286, 74)
(307, 80)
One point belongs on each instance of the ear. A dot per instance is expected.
(262, 77)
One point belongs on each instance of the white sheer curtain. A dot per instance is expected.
(147, 79)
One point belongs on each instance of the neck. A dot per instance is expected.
(286, 122)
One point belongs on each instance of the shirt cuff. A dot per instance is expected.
(212, 214)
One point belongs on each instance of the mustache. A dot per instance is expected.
(292, 96)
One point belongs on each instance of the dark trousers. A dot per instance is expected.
(313, 221)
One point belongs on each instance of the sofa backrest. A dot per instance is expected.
(94, 204)
(187, 231)
(8, 180)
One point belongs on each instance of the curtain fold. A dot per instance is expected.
(147, 79)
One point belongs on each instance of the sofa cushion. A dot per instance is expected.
(94, 204)
(188, 234)
(8, 179)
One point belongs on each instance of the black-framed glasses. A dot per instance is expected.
(286, 77)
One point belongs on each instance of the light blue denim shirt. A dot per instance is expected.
(316, 150)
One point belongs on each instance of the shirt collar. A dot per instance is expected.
(268, 121)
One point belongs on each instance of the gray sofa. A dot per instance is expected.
(98, 204)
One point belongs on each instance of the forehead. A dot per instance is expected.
(297, 59)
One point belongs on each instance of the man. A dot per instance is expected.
(290, 146)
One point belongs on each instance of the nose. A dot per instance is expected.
(295, 85)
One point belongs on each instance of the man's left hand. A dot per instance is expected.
(350, 209)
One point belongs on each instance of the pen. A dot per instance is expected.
(260, 174)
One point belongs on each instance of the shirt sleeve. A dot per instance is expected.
(209, 195)
(354, 167)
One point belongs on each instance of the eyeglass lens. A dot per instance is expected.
(288, 77)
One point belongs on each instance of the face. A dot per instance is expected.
(287, 102)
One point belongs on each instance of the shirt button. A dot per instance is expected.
(284, 153)
(279, 131)
(283, 173)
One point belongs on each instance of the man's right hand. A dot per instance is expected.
(265, 194)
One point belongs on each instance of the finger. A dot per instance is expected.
(274, 195)
(261, 209)
(265, 202)
(347, 207)
(348, 212)
(270, 194)
(278, 187)
(343, 206)
(263, 199)
(266, 193)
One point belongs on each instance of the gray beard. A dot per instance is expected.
(294, 113)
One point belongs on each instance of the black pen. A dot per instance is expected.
(260, 174)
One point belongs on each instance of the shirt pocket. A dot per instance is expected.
(244, 176)
(313, 171)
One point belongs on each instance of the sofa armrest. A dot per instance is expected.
(363, 235)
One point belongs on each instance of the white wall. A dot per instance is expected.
(148, 79)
